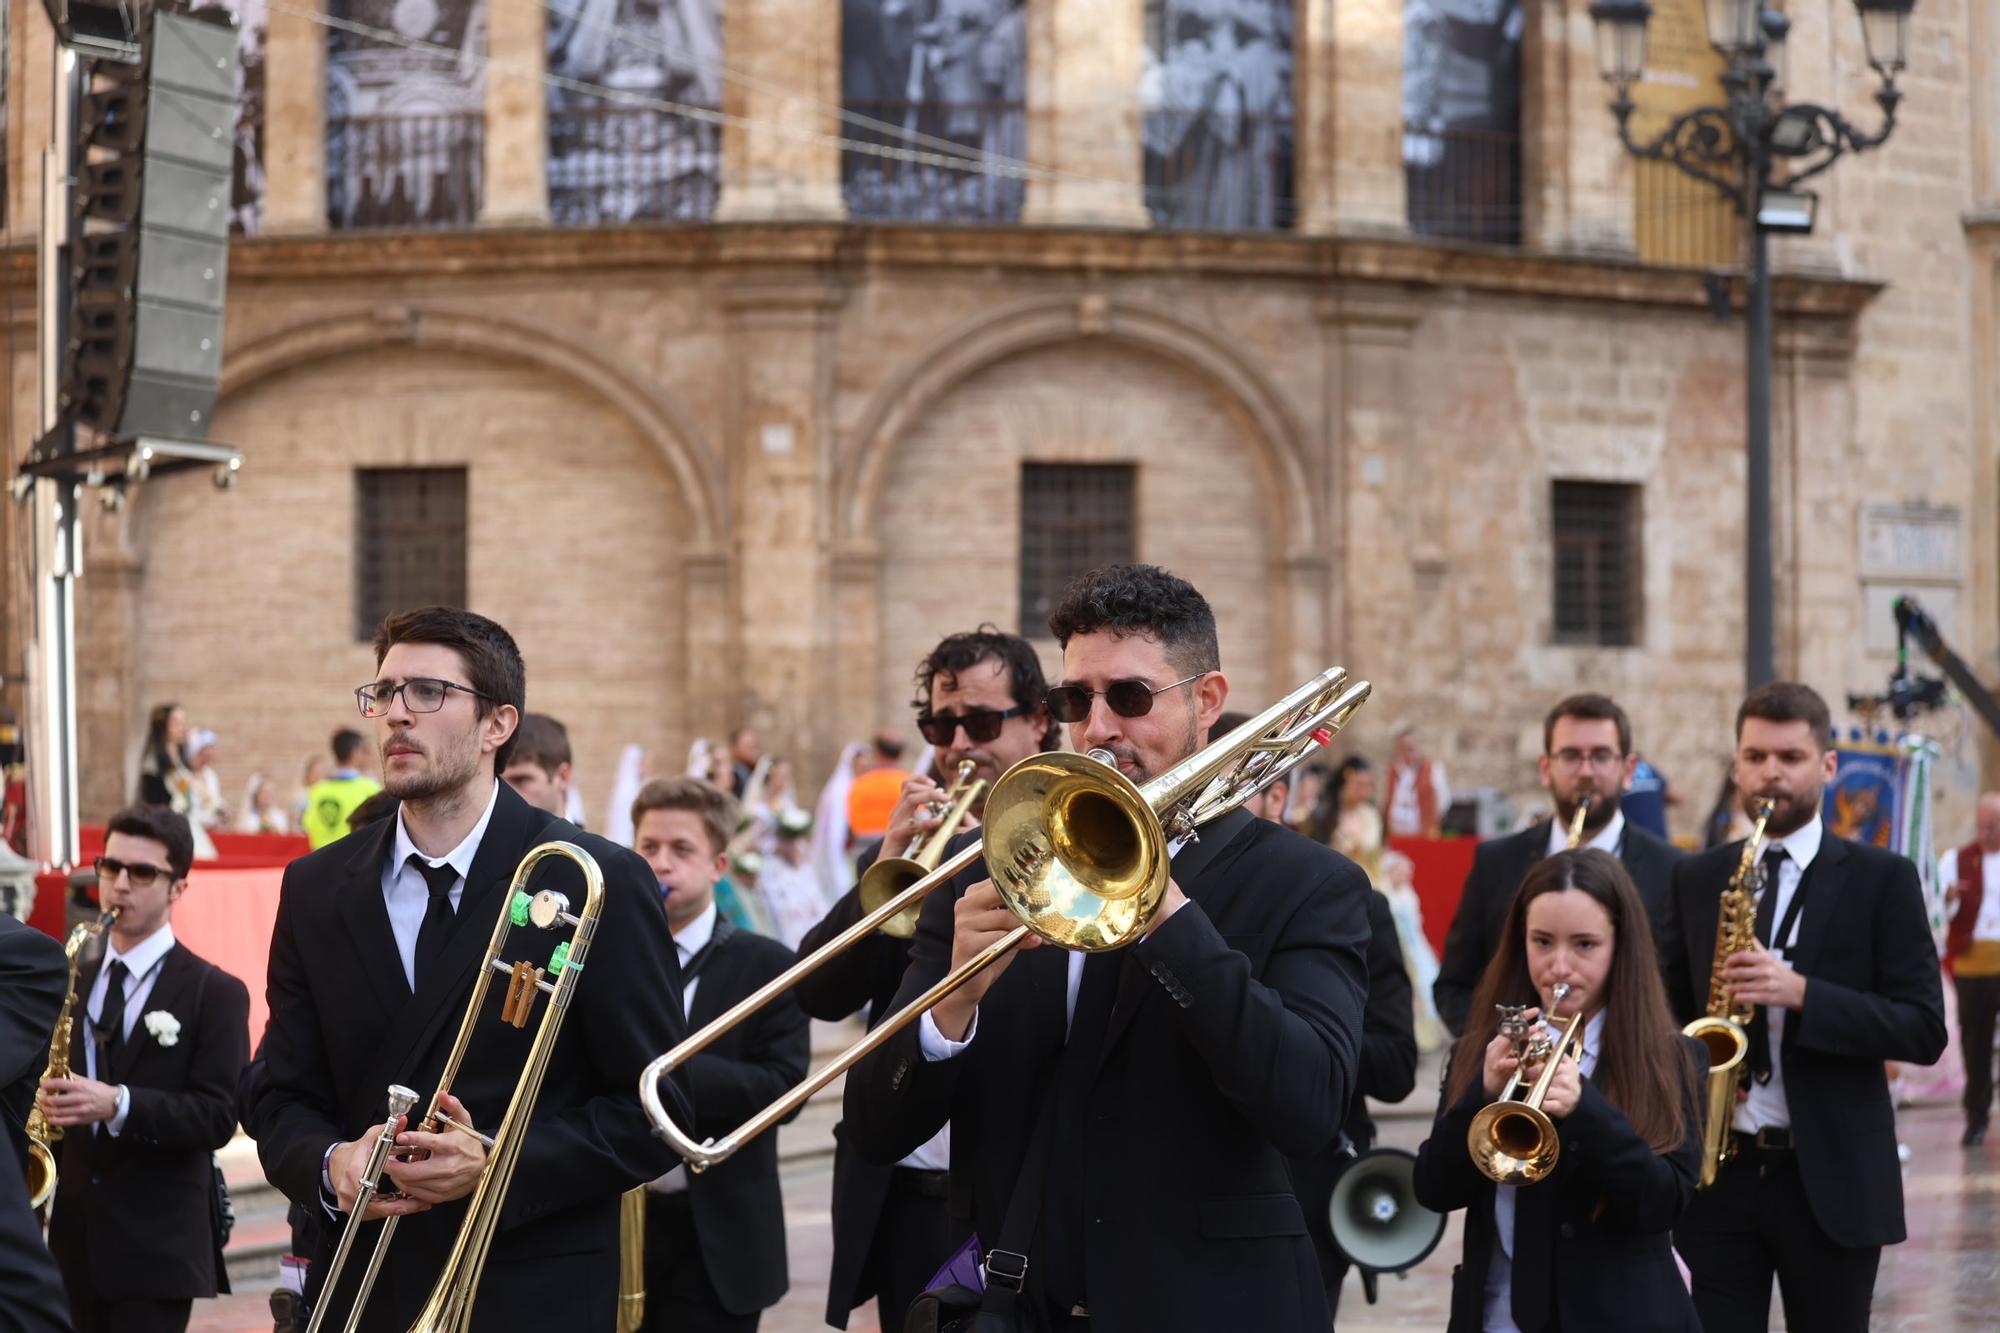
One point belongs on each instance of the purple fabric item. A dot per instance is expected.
(963, 1269)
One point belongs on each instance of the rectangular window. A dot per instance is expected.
(1074, 517)
(409, 541)
(1596, 531)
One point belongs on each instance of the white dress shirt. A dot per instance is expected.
(407, 894)
(689, 940)
(1986, 926)
(1608, 839)
(1767, 1105)
(142, 963)
(1499, 1315)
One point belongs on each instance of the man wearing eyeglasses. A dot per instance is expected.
(979, 701)
(378, 939)
(1139, 1103)
(157, 1039)
(1586, 753)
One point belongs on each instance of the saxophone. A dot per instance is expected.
(41, 1134)
(1725, 1028)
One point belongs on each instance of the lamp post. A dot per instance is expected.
(1756, 149)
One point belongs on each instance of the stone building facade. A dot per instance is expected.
(749, 470)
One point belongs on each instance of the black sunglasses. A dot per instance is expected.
(981, 724)
(1128, 698)
(142, 873)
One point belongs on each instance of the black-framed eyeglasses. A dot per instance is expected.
(421, 694)
(1128, 698)
(981, 724)
(142, 873)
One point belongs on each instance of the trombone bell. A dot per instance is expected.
(1075, 850)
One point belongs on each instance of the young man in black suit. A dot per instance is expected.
(33, 977)
(715, 1242)
(1586, 749)
(157, 1040)
(1180, 1072)
(1844, 976)
(377, 943)
(978, 700)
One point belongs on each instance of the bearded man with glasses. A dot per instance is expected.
(378, 940)
(978, 700)
(1587, 756)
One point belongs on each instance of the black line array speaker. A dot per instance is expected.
(149, 253)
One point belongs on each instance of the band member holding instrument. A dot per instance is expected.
(1844, 977)
(1182, 1070)
(979, 700)
(1586, 753)
(157, 1041)
(377, 942)
(715, 1242)
(33, 979)
(1587, 1247)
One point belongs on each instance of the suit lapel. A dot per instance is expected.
(1530, 849)
(365, 916)
(172, 990)
(713, 981)
(1824, 883)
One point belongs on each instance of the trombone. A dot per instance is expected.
(1515, 1143)
(1076, 850)
(889, 876)
(449, 1309)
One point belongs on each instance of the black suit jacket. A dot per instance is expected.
(1498, 867)
(1592, 1242)
(33, 977)
(131, 1216)
(1873, 994)
(344, 1025)
(1231, 1044)
(739, 1211)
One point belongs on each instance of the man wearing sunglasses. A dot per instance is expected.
(979, 699)
(1173, 1077)
(157, 1039)
(378, 939)
(1586, 751)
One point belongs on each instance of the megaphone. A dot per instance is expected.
(1375, 1217)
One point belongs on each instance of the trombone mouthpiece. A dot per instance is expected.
(401, 1099)
(1105, 757)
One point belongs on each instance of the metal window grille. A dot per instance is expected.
(1074, 517)
(1596, 531)
(410, 537)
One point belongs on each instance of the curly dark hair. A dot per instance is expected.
(493, 665)
(1141, 599)
(988, 643)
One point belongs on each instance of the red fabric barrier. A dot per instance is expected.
(1440, 866)
(226, 916)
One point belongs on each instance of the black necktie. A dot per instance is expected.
(438, 915)
(111, 1018)
(1065, 1229)
(1767, 913)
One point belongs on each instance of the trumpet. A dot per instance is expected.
(449, 1309)
(1725, 1028)
(889, 876)
(42, 1136)
(1077, 851)
(1583, 804)
(1515, 1142)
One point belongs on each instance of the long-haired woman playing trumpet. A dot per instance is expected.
(1606, 1142)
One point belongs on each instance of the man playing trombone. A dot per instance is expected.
(377, 943)
(1161, 1086)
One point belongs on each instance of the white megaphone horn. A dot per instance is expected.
(1375, 1217)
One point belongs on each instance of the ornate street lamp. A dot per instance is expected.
(1757, 150)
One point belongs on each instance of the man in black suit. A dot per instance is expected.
(157, 1039)
(1177, 1074)
(33, 978)
(978, 701)
(377, 943)
(715, 1242)
(1586, 750)
(1844, 976)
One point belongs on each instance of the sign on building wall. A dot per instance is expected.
(943, 77)
(405, 123)
(246, 202)
(1915, 550)
(612, 160)
(1462, 118)
(1675, 218)
(1216, 88)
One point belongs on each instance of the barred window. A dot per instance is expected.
(409, 541)
(1596, 531)
(1074, 517)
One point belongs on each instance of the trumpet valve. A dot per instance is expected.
(523, 982)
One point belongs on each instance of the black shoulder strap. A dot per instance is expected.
(1007, 1261)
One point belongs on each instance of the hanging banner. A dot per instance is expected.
(1861, 801)
(1216, 90)
(1462, 118)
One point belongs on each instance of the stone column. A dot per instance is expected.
(30, 67)
(781, 161)
(1576, 178)
(1347, 82)
(516, 189)
(294, 124)
(1083, 113)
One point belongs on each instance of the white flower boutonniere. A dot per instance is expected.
(166, 1029)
